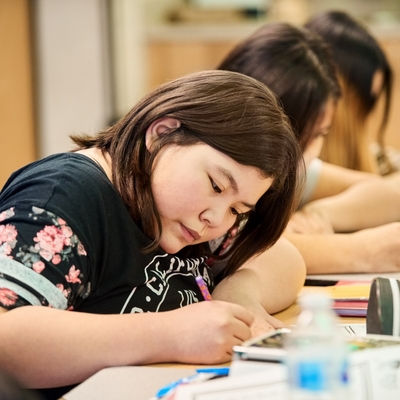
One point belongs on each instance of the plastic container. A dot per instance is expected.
(317, 353)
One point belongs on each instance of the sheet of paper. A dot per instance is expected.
(248, 386)
(354, 329)
(349, 291)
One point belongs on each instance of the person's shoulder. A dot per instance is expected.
(67, 169)
(60, 178)
(65, 163)
(77, 176)
(53, 165)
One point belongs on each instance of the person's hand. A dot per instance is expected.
(379, 248)
(309, 222)
(204, 333)
(264, 325)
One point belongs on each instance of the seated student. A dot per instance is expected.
(296, 64)
(365, 77)
(101, 247)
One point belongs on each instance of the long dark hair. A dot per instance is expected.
(296, 65)
(232, 113)
(358, 56)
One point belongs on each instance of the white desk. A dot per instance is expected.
(127, 383)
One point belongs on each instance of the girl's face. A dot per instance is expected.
(199, 191)
(322, 127)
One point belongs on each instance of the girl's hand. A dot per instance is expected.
(261, 325)
(204, 333)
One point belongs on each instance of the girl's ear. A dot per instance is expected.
(159, 127)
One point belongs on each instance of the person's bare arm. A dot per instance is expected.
(267, 284)
(364, 205)
(46, 347)
(366, 251)
(334, 180)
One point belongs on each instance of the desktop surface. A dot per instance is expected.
(142, 382)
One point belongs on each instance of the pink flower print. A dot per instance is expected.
(7, 214)
(81, 250)
(56, 259)
(73, 275)
(65, 292)
(67, 232)
(61, 221)
(7, 297)
(8, 233)
(46, 254)
(50, 239)
(5, 250)
(38, 266)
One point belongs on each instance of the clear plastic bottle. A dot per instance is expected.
(317, 353)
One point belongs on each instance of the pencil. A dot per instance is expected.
(203, 287)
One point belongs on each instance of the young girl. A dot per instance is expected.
(365, 76)
(296, 64)
(121, 226)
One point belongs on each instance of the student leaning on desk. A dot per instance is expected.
(349, 220)
(120, 227)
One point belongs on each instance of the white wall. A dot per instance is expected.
(73, 72)
(128, 54)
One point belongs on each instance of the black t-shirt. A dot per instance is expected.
(68, 241)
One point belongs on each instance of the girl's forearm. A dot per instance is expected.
(45, 347)
(364, 205)
(269, 282)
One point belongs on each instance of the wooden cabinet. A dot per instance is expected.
(169, 58)
(176, 50)
(17, 125)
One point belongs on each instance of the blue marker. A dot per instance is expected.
(219, 371)
(203, 374)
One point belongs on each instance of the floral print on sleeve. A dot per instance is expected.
(49, 248)
(8, 297)
(54, 243)
(8, 234)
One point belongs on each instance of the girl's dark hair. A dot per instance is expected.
(296, 65)
(358, 56)
(232, 113)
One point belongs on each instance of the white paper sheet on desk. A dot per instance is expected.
(354, 329)
(270, 384)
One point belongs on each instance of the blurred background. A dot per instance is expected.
(71, 66)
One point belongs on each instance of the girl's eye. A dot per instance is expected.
(234, 211)
(215, 187)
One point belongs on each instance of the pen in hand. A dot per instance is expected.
(203, 287)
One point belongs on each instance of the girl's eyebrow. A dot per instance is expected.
(234, 185)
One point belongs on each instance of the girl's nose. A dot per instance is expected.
(218, 217)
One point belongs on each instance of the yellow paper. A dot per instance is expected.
(356, 291)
